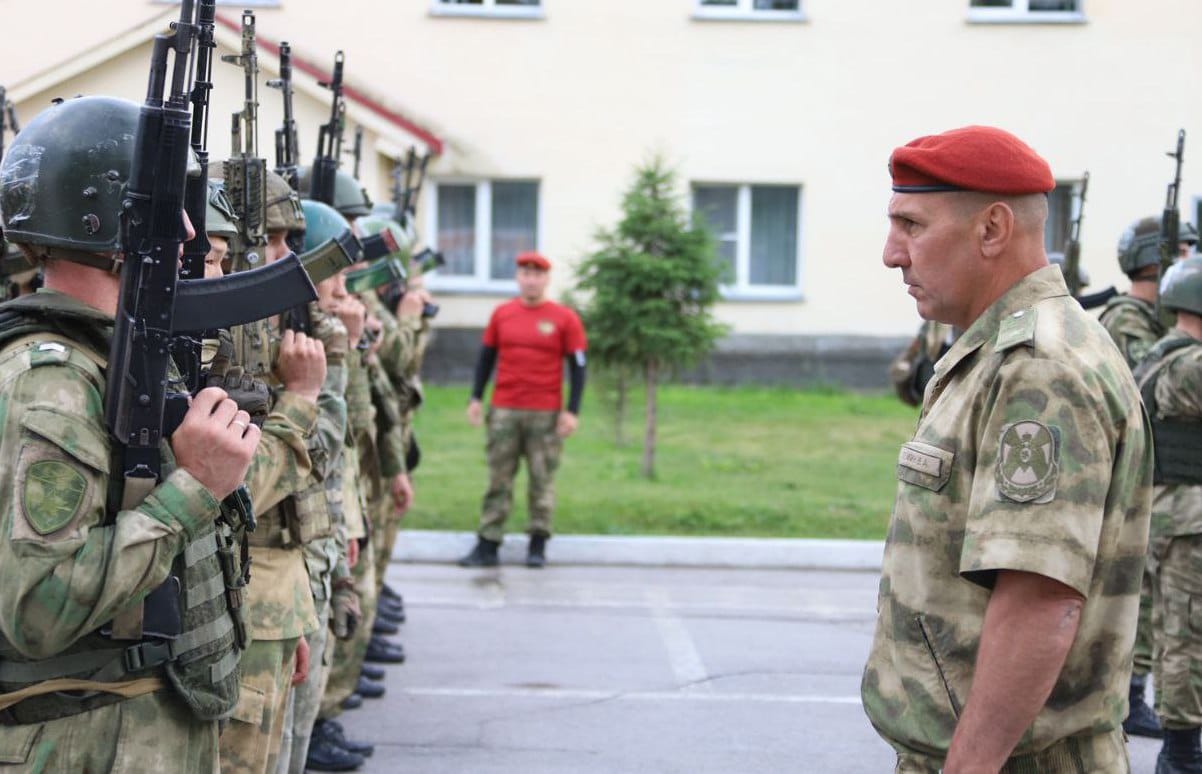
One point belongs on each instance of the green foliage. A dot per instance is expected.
(652, 283)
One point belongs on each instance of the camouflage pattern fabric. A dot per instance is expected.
(347, 657)
(1134, 327)
(68, 572)
(250, 744)
(304, 701)
(1176, 552)
(1106, 752)
(1033, 454)
(1132, 324)
(513, 434)
(147, 733)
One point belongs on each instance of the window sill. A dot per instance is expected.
(476, 12)
(1008, 17)
(766, 294)
(469, 286)
(722, 14)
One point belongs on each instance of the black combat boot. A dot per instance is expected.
(381, 651)
(536, 554)
(389, 593)
(383, 626)
(483, 555)
(372, 672)
(393, 612)
(369, 689)
(352, 702)
(338, 735)
(1181, 753)
(1141, 720)
(326, 751)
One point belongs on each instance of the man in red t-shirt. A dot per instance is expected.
(527, 339)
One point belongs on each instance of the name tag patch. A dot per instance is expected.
(924, 464)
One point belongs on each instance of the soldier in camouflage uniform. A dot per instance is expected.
(1132, 322)
(1009, 589)
(912, 368)
(70, 701)
(1170, 379)
(280, 603)
(335, 318)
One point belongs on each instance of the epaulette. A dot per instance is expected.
(1016, 330)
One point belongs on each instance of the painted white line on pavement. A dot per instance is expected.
(682, 651)
(834, 613)
(596, 695)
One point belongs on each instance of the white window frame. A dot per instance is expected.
(745, 11)
(742, 289)
(480, 281)
(489, 10)
(1020, 13)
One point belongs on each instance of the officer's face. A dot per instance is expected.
(532, 282)
(931, 241)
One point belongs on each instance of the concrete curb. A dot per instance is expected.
(424, 546)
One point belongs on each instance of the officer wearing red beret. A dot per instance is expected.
(1010, 583)
(527, 340)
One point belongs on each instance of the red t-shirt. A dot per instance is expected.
(531, 344)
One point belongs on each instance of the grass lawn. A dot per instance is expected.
(742, 461)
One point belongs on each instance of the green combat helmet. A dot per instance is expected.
(68, 203)
(220, 219)
(1182, 290)
(1187, 233)
(350, 198)
(1139, 246)
(329, 245)
(284, 212)
(370, 225)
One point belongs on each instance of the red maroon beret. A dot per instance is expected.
(537, 260)
(974, 158)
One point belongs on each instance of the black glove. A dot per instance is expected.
(251, 394)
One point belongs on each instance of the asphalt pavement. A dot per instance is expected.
(630, 669)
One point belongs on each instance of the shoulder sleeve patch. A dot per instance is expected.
(51, 494)
(1016, 330)
(1028, 462)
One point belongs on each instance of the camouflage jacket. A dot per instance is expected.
(67, 571)
(1032, 453)
(1133, 325)
(1177, 508)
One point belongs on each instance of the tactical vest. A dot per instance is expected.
(299, 518)
(1177, 441)
(192, 631)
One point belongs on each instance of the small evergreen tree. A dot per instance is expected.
(650, 289)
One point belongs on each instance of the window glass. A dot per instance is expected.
(514, 224)
(457, 228)
(773, 235)
(718, 206)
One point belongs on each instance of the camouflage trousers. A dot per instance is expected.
(1177, 620)
(513, 434)
(1104, 754)
(347, 657)
(155, 732)
(385, 525)
(251, 741)
(1142, 663)
(304, 700)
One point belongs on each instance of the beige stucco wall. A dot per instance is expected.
(577, 98)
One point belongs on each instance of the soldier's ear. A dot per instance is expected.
(995, 228)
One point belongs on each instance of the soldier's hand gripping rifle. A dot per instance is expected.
(287, 150)
(329, 139)
(245, 173)
(1170, 219)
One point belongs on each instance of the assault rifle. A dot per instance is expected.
(329, 139)
(357, 151)
(245, 173)
(408, 174)
(286, 143)
(1170, 219)
(1072, 250)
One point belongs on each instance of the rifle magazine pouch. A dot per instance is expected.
(308, 515)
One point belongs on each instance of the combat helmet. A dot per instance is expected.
(369, 225)
(350, 198)
(1182, 288)
(1057, 259)
(1139, 246)
(63, 180)
(1187, 233)
(284, 212)
(220, 219)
